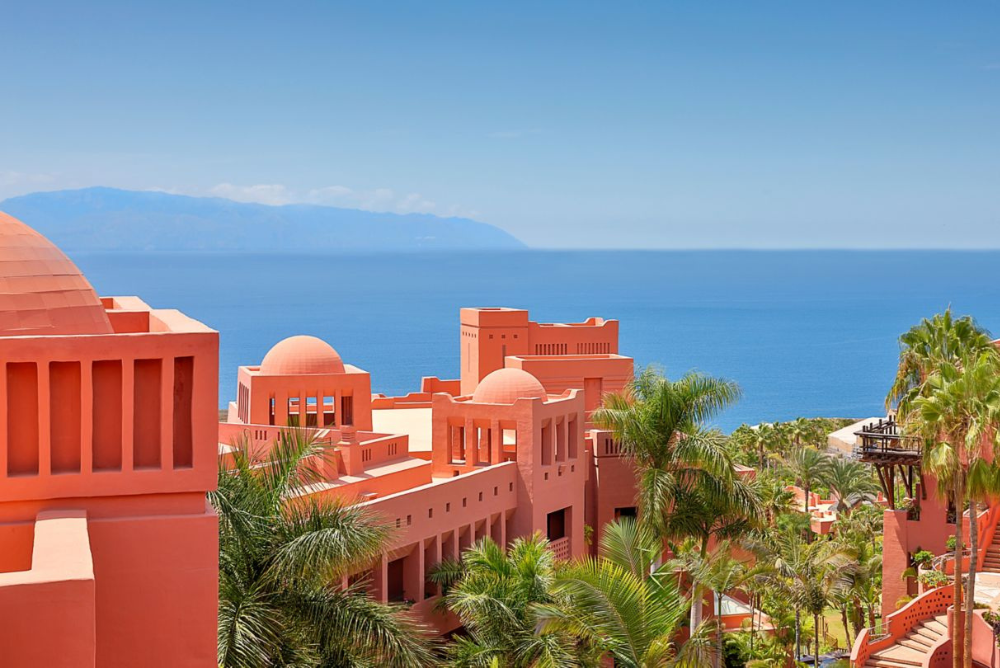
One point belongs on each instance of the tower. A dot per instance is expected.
(107, 450)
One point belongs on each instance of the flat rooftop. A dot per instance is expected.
(414, 422)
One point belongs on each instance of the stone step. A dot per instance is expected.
(924, 641)
(903, 655)
(913, 644)
(886, 663)
(928, 634)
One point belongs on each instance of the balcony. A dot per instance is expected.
(882, 441)
(891, 453)
(560, 548)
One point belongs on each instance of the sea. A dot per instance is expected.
(804, 333)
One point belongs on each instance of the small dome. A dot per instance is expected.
(505, 386)
(41, 291)
(300, 356)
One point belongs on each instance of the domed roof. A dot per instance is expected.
(301, 355)
(505, 386)
(41, 290)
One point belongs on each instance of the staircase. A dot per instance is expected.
(911, 649)
(991, 560)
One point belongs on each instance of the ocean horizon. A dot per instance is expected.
(804, 332)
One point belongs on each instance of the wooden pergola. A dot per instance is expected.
(892, 454)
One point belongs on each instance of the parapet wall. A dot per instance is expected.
(109, 415)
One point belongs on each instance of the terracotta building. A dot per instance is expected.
(514, 456)
(108, 547)
(916, 618)
(110, 441)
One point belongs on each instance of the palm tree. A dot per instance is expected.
(809, 466)
(775, 498)
(852, 483)
(496, 595)
(625, 606)
(929, 352)
(719, 571)
(660, 425)
(701, 514)
(799, 430)
(962, 403)
(280, 561)
(811, 574)
(763, 436)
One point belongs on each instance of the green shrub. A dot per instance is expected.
(932, 579)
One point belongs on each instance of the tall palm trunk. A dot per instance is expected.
(798, 643)
(958, 620)
(847, 628)
(816, 634)
(970, 586)
(697, 596)
(718, 621)
(696, 603)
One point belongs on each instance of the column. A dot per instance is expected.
(44, 422)
(86, 416)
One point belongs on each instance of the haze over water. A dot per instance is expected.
(805, 333)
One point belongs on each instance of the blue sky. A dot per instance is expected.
(636, 125)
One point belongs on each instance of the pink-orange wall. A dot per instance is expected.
(120, 428)
(903, 537)
(488, 335)
(611, 484)
(549, 452)
(596, 375)
(260, 389)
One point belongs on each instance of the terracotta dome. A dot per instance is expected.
(301, 355)
(505, 386)
(41, 290)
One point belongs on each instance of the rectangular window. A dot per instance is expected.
(556, 524)
(627, 511)
(394, 581)
(347, 410)
(312, 412)
(22, 419)
(547, 443)
(146, 414)
(329, 412)
(106, 379)
(64, 416)
(183, 398)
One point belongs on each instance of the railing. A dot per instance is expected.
(901, 622)
(560, 548)
(884, 437)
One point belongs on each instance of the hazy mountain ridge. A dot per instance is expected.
(109, 219)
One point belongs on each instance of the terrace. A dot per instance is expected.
(891, 453)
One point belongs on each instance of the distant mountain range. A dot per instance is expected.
(108, 219)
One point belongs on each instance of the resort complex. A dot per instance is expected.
(121, 528)
(506, 451)
(109, 442)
